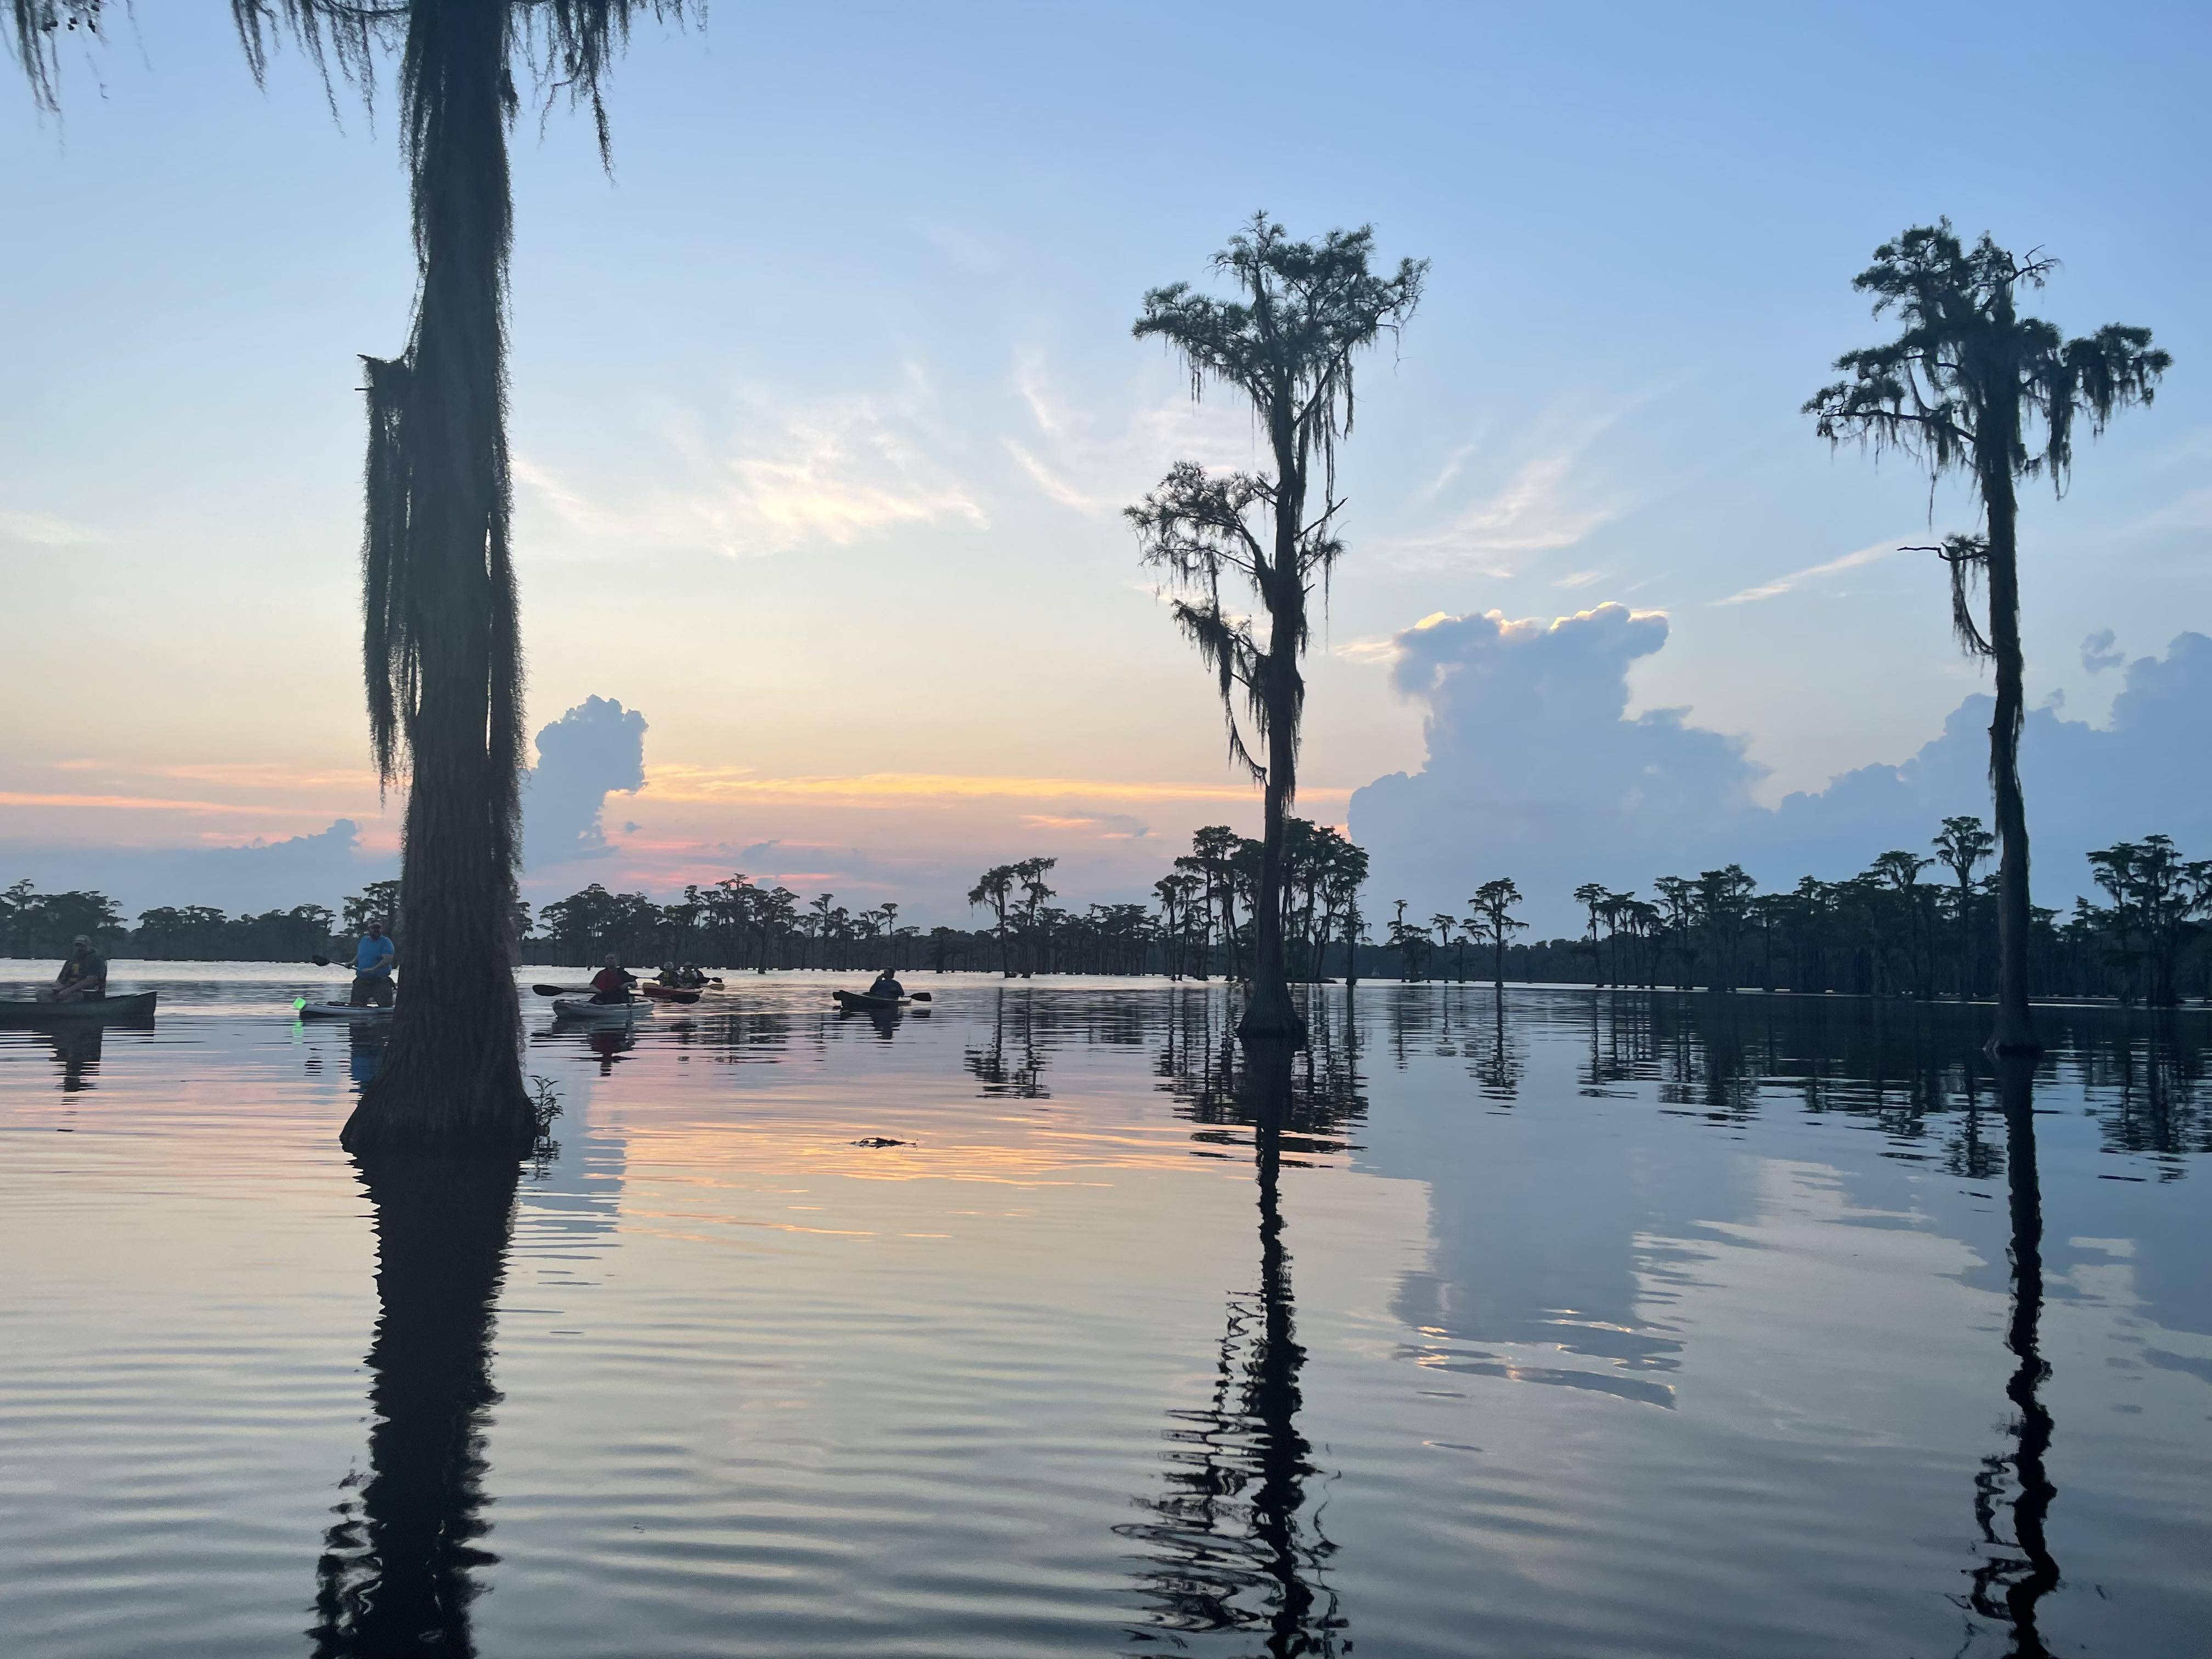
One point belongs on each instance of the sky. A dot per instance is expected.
(825, 405)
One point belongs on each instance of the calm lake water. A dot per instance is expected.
(1575, 1324)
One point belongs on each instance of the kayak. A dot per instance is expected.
(670, 993)
(859, 1003)
(365, 1016)
(140, 1006)
(585, 1008)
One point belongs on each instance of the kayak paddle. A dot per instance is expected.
(666, 995)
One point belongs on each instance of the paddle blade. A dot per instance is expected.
(320, 961)
(922, 996)
(562, 990)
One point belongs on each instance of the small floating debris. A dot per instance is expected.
(881, 1140)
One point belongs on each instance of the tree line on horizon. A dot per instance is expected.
(1910, 924)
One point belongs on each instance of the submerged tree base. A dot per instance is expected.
(2015, 1038)
(1271, 1016)
(411, 1106)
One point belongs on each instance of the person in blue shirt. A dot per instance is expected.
(373, 964)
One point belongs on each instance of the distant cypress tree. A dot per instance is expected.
(1971, 385)
(1286, 342)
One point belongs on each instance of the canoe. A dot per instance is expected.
(340, 1010)
(140, 1006)
(860, 1004)
(585, 1008)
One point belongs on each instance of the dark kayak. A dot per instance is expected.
(860, 1004)
(102, 1008)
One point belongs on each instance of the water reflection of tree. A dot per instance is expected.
(1202, 1065)
(398, 1571)
(737, 1037)
(1020, 1071)
(2015, 1576)
(2147, 1082)
(1234, 1542)
(1497, 1062)
(1913, 1071)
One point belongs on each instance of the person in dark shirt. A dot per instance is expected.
(612, 982)
(84, 977)
(886, 986)
(372, 963)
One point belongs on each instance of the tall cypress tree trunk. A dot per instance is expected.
(1268, 1011)
(2016, 1026)
(1966, 940)
(452, 1075)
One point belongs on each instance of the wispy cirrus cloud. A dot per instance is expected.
(1096, 467)
(835, 471)
(1549, 500)
(1535, 512)
(42, 530)
(1874, 553)
(1369, 648)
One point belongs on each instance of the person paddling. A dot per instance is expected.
(84, 977)
(372, 963)
(612, 982)
(886, 987)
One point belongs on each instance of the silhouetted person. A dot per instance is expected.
(886, 986)
(82, 978)
(398, 1569)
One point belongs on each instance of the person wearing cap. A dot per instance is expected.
(372, 963)
(84, 977)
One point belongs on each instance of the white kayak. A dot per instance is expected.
(585, 1008)
(369, 1015)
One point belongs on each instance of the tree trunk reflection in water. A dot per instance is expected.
(398, 1570)
(2007, 1586)
(1230, 1544)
